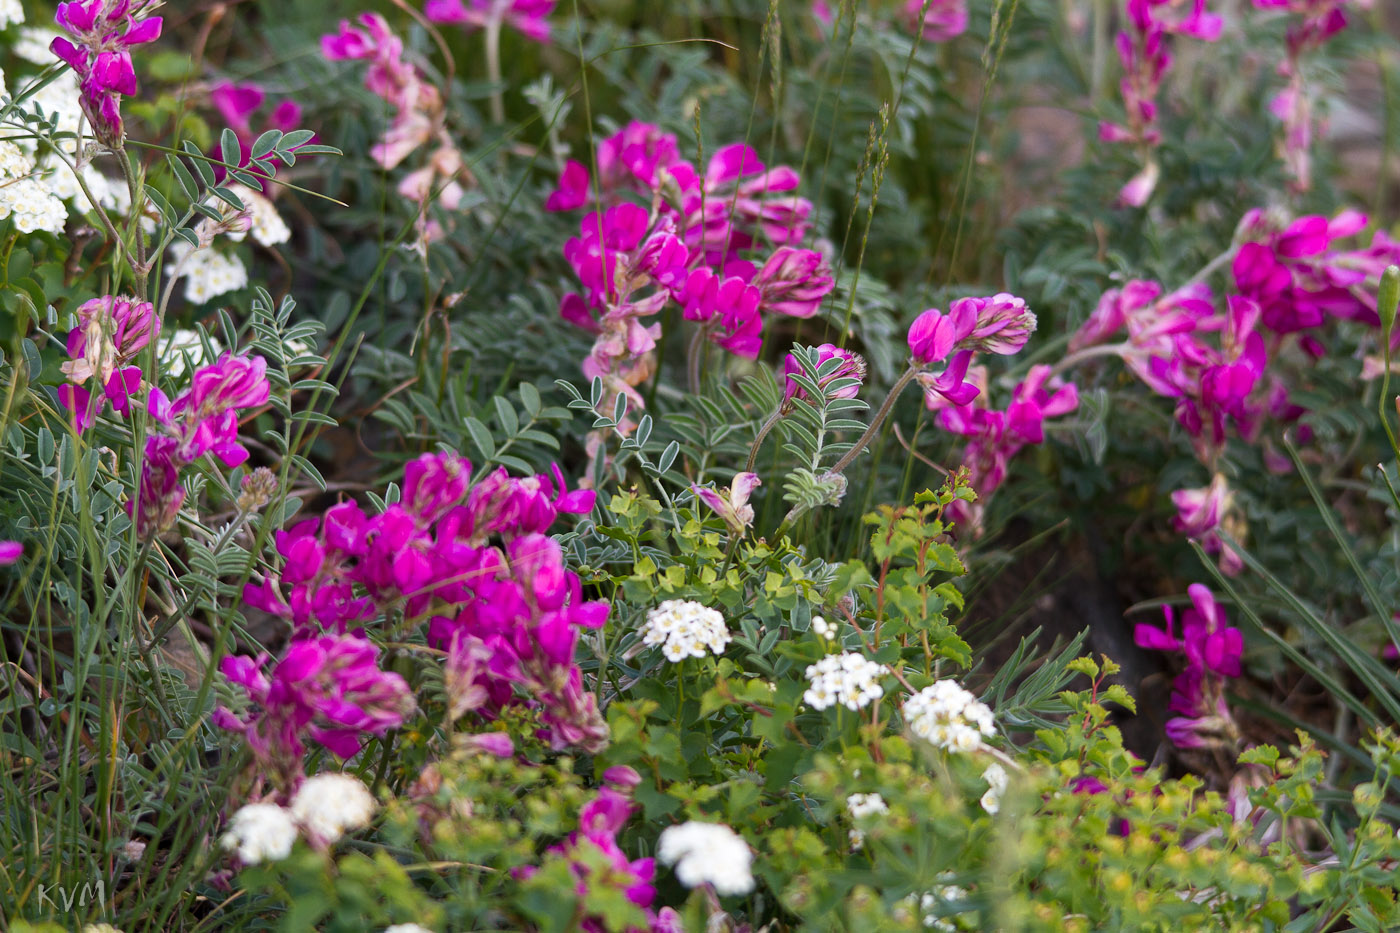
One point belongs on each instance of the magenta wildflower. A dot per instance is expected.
(728, 307)
(1213, 651)
(734, 508)
(836, 384)
(600, 820)
(994, 437)
(417, 104)
(109, 334)
(794, 281)
(529, 17)
(10, 552)
(1004, 323)
(476, 566)
(203, 419)
(934, 335)
(98, 48)
(936, 20)
(329, 689)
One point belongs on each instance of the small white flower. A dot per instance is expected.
(708, 853)
(329, 805)
(996, 779)
(264, 223)
(260, 832)
(33, 45)
(685, 629)
(207, 273)
(10, 12)
(822, 628)
(407, 928)
(947, 716)
(861, 806)
(850, 679)
(31, 205)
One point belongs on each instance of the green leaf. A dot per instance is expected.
(183, 176)
(505, 414)
(265, 143)
(200, 163)
(481, 437)
(229, 149)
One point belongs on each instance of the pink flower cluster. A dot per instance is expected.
(1214, 364)
(530, 17)
(1316, 22)
(692, 247)
(418, 109)
(1000, 324)
(934, 20)
(600, 820)
(328, 688)
(994, 436)
(202, 420)
(473, 563)
(937, 20)
(1212, 650)
(1146, 57)
(98, 48)
(110, 332)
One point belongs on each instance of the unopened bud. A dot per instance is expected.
(259, 487)
(1388, 298)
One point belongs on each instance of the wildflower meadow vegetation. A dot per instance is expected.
(719, 465)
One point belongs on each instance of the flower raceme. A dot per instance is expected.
(109, 334)
(473, 564)
(734, 508)
(936, 20)
(529, 17)
(1213, 651)
(690, 247)
(329, 688)
(844, 381)
(1000, 324)
(101, 34)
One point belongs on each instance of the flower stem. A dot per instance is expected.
(493, 69)
(762, 433)
(877, 421)
(1089, 353)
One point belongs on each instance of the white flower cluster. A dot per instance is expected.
(685, 629)
(860, 806)
(264, 223)
(31, 205)
(329, 805)
(325, 807)
(945, 896)
(33, 45)
(823, 629)
(407, 928)
(207, 274)
(996, 779)
(849, 679)
(947, 716)
(260, 832)
(24, 197)
(113, 196)
(708, 853)
(10, 12)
